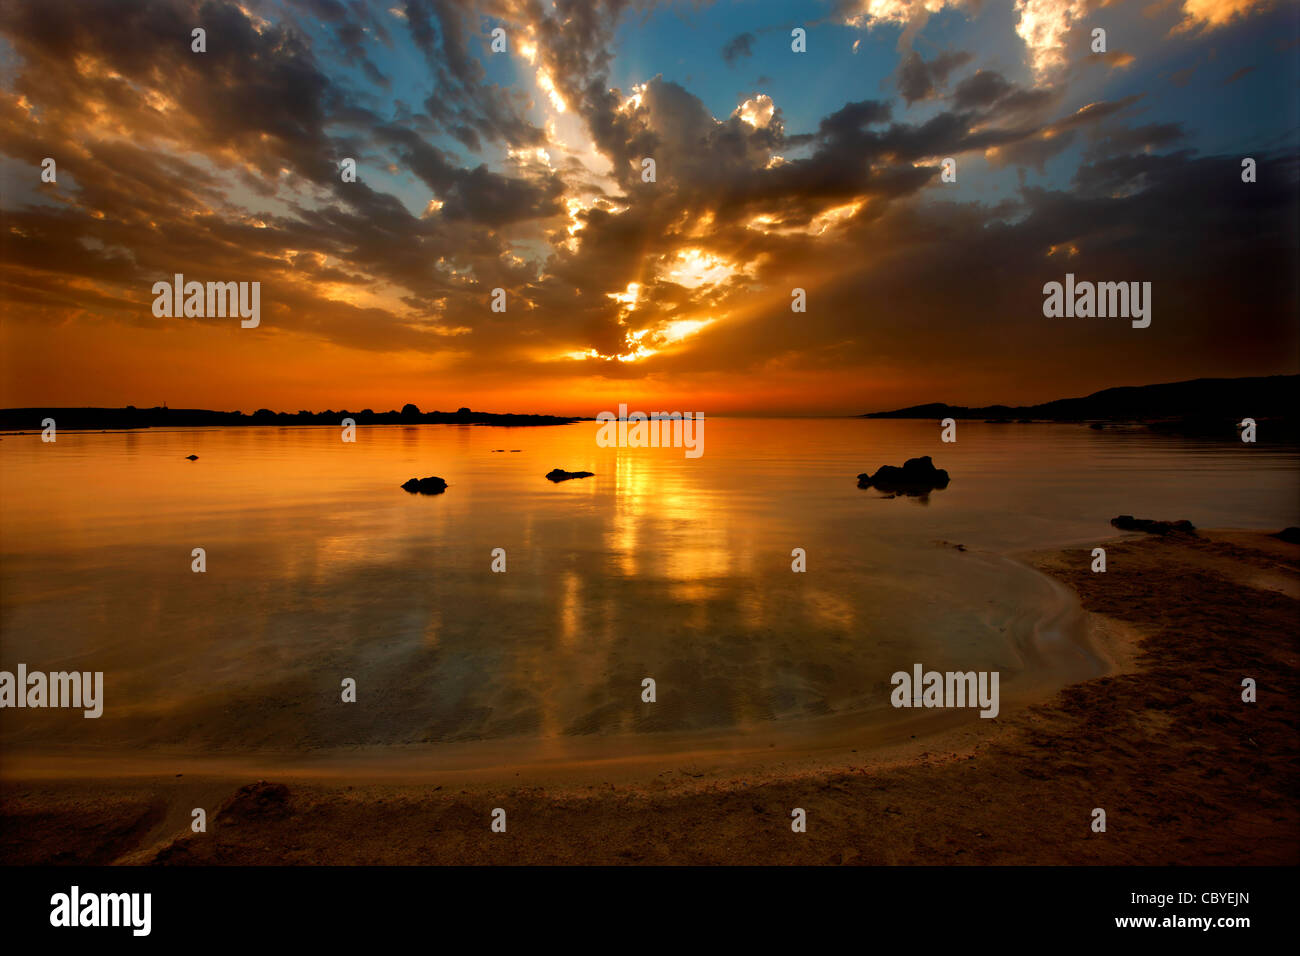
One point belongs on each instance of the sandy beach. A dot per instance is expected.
(1186, 772)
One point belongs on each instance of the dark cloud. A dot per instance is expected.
(992, 93)
(742, 44)
(918, 79)
(981, 90)
(1151, 137)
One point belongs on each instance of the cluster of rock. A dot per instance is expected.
(1151, 526)
(918, 476)
(425, 486)
(434, 485)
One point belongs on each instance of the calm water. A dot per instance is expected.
(320, 567)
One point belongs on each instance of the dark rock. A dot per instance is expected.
(1150, 526)
(191, 457)
(257, 801)
(1289, 535)
(425, 486)
(179, 853)
(918, 476)
(559, 474)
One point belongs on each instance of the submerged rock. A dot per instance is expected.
(1150, 526)
(559, 474)
(918, 476)
(425, 486)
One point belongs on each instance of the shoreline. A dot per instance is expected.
(950, 794)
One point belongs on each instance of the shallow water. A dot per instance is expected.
(319, 567)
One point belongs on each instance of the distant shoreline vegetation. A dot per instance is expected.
(1203, 406)
(29, 419)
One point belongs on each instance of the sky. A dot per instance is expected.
(522, 170)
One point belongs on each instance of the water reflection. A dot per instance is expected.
(320, 567)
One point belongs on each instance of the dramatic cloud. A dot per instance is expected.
(526, 171)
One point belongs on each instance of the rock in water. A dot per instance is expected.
(918, 476)
(425, 486)
(191, 457)
(1150, 526)
(559, 474)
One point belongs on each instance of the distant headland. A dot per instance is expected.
(30, 419)
(1200, 406)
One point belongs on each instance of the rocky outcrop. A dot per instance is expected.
(1150, 526)
(256, 802)
(559, 474)
(918, 476)
(425, 486)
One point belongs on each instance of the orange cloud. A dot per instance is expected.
(1216, 13)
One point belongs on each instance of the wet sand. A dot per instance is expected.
(1185, 771)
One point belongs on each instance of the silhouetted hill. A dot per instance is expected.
(1196, 405)
(29, 419)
